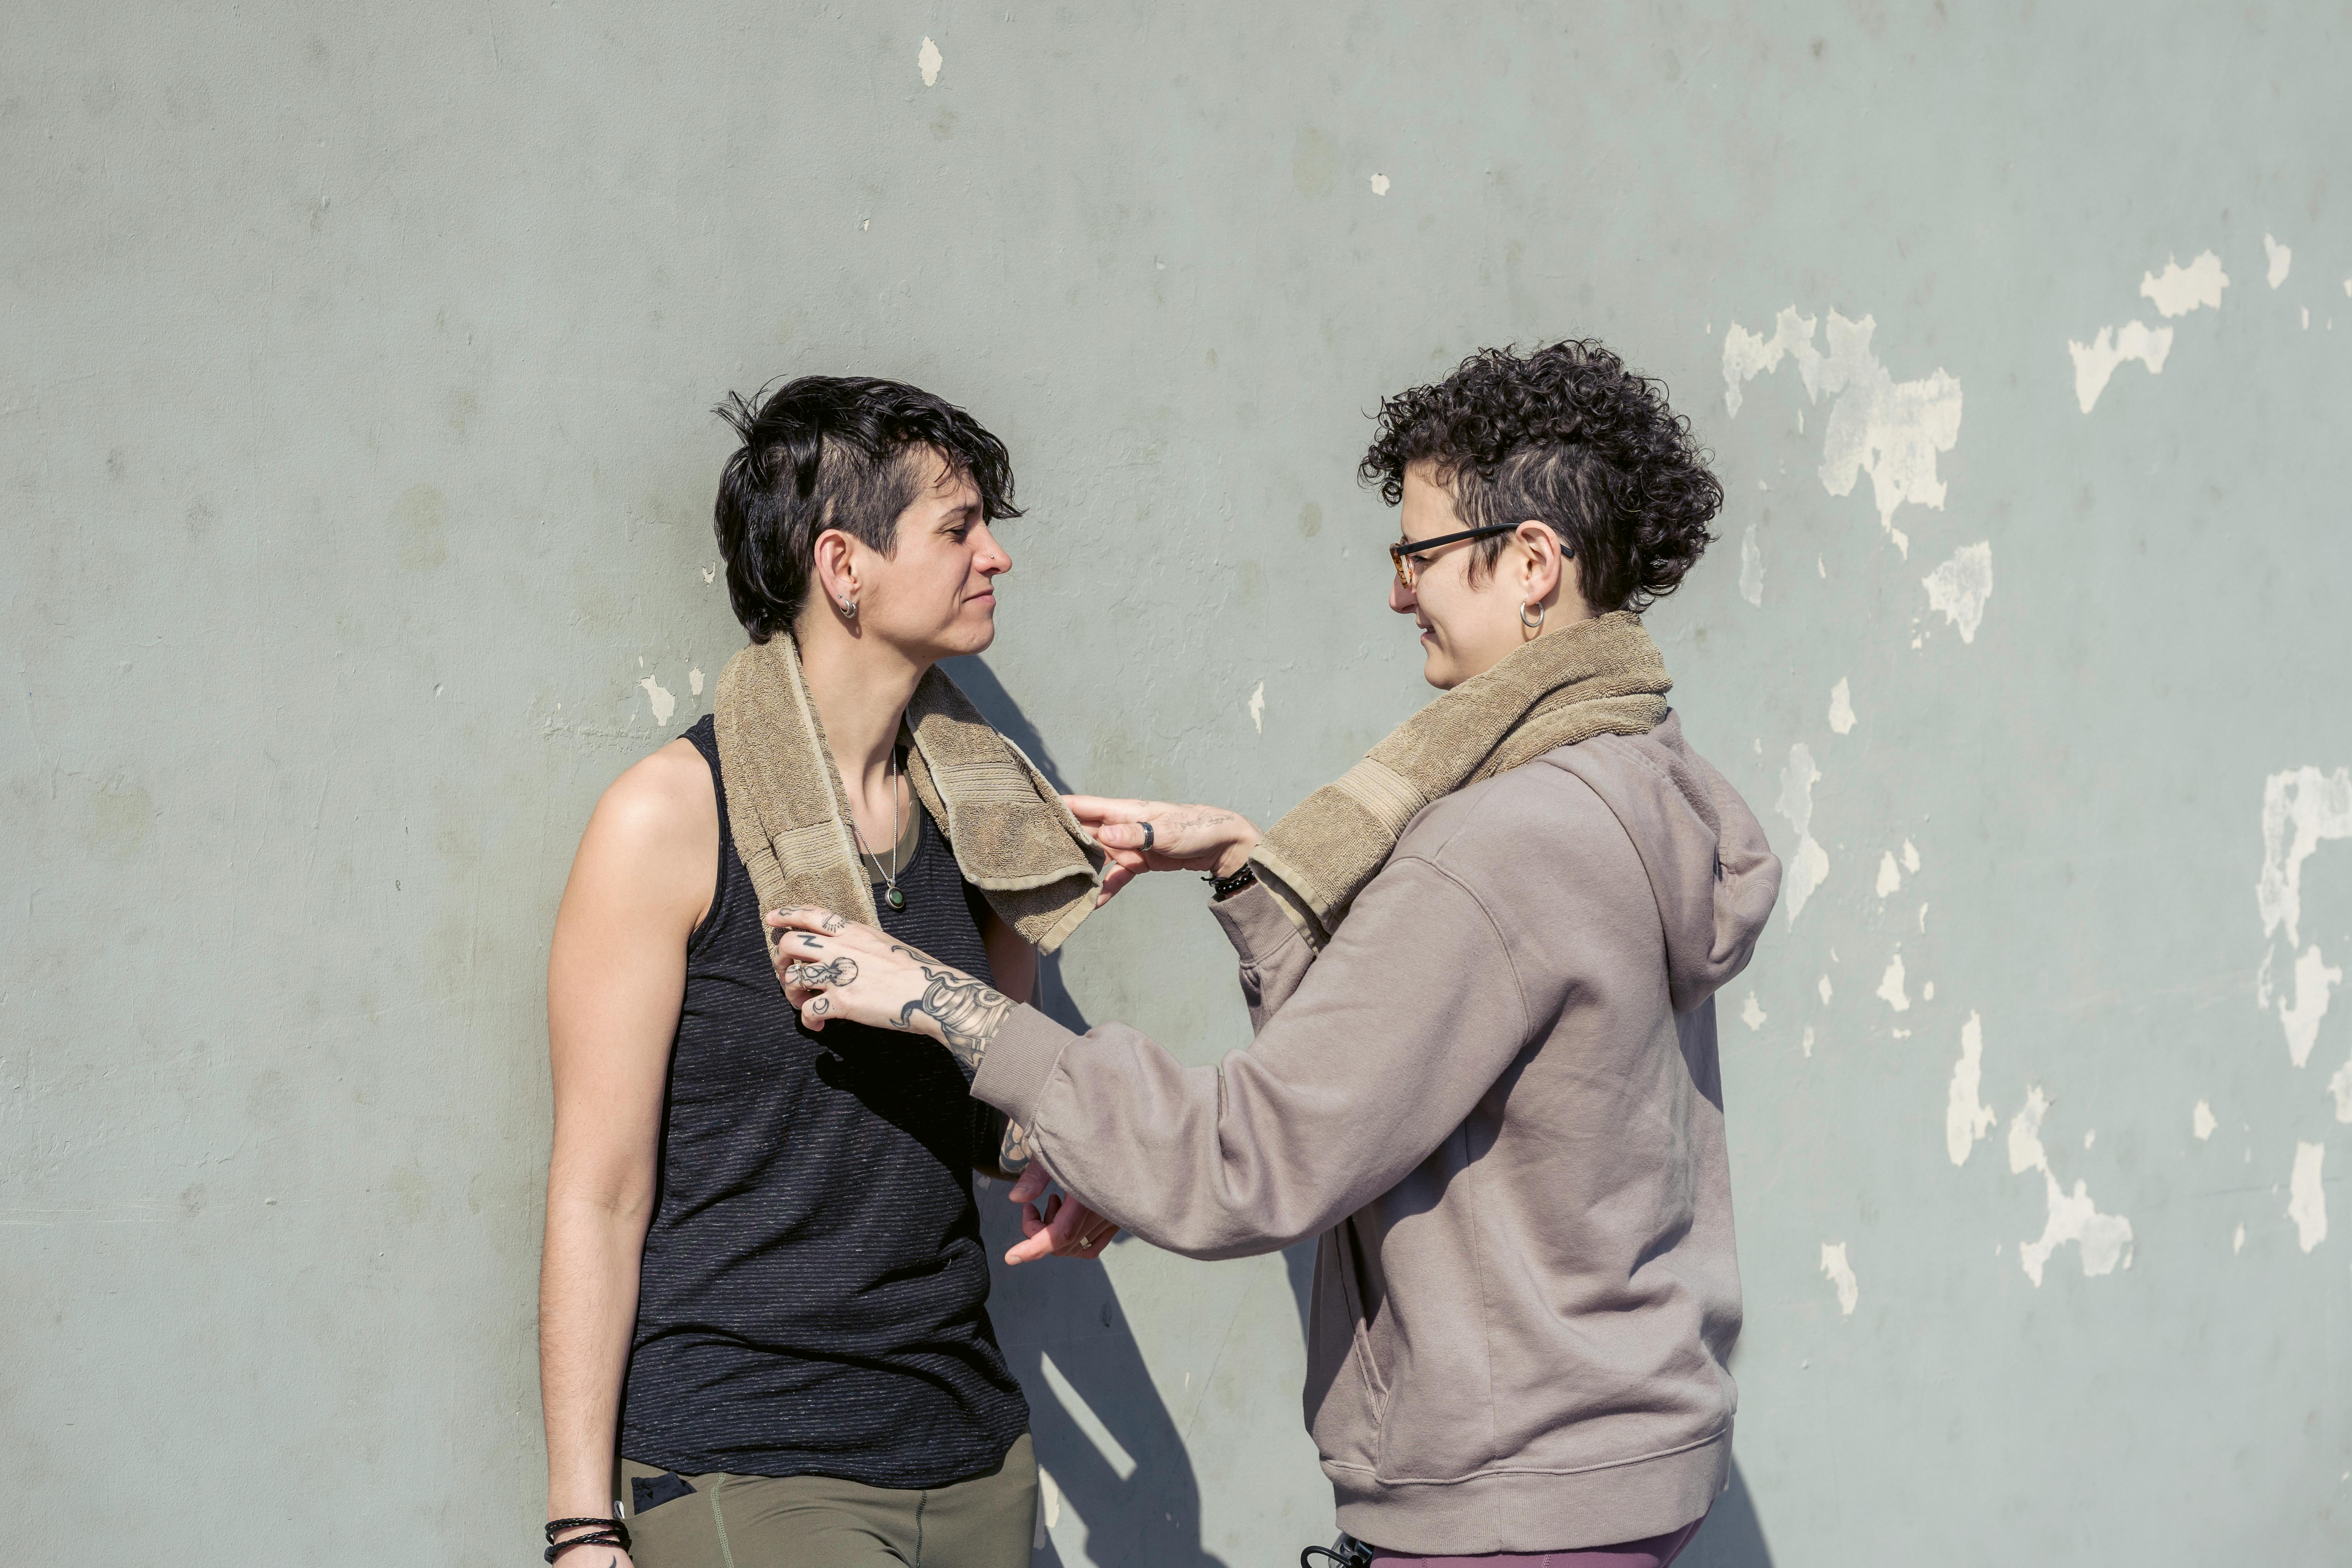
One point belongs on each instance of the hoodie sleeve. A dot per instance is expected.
(1380, 1051)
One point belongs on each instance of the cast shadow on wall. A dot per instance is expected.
(1061, 1322)
(1101, 1430)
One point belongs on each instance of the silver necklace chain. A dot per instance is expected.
(893, 896)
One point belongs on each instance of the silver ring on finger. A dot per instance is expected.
(1149, 837)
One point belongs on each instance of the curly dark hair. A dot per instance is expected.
(1568, 437)
(834, 451)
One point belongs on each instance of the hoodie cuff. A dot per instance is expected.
(1256, 922)
(1020, 1059)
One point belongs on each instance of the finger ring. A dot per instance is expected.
(1148, 836)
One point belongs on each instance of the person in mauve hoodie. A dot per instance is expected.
(1480, 969)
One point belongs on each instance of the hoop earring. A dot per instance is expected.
(1536, 625)
(849, 609)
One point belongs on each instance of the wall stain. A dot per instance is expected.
(420, 528)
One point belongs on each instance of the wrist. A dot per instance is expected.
(1236, 855)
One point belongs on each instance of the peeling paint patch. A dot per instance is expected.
(1840, 1273)
(2317, 807)
(1379, 184)
(1890, 429)
(1910, 857)
(694, 681)
(1890, 876)
(2306, 1202)
(1966, 1118)
(1841, 708)
(1809, 866)
(2201, 1121)
(2341, 1086)
(664, 704)
(2281, 259)
(1808, 1041)
(2183, 289)
(2104, 1240)
(927, 61)
(1751, 568)
(1257, 708)
(1960, 586)
(2238, 1241)
(2313, 978)
(1752, 1014)
(1825, 991)
(2095, 362)
(1890, 985)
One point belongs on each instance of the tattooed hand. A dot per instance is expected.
(835, 968)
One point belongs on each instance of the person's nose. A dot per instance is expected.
(1402, 599)
(993, 559)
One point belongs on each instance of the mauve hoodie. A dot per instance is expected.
(1494, 1096)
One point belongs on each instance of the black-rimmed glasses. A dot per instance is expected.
(1402, 552)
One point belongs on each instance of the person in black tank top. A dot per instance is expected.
(763, 1327)
(810, 1296)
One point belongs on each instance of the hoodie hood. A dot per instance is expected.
(1710, 869)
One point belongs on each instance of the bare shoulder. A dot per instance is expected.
(655, 834)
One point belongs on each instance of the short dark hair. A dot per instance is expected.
(1568, 437)
(834, 451)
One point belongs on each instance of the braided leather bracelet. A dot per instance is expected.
(604, 1532)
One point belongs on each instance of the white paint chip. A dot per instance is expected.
(1966, 1118)
(1890, 876)
(1841, 706)
(664, 704)
(1824, 989)
(1257, 708)
(2281, 259)
(2183, 289)
(2341, 1086)
(927, 61)
(1927, 992)
(1379, 184)
(1840, 1273)
(1752, 1013)
(1808, 1041)
(1910, 857)
(1890, 429)
(2307, 1199)
(2095, 362)
(1960, 586)
(2316, 807)
(1923, 920)
(694, 681)
(2201, 1121)
(2314, 977)
(2238, 1242)
(2104, 1240)
(1808, 866)
(1890, 985)
(1751, 568)
(2090, 1138)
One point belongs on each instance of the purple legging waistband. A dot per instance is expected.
(1654, 1552)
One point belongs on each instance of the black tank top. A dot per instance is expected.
(813, 1296)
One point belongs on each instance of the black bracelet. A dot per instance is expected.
(1223, 887)
(602, 1533)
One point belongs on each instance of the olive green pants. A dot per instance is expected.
(816, 1521)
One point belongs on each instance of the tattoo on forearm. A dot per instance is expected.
(968, 1012)
(1013, 1152)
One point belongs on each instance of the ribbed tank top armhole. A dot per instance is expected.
(704, 733)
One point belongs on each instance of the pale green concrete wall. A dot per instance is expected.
(358, 471)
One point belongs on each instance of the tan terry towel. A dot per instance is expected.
(1601, 676)
(1013, 837)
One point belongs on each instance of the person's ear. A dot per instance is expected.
(836, 569)
(1540, 563)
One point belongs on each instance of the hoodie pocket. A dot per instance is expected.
(1345, 1394)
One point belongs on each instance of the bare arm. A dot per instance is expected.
(615, 977)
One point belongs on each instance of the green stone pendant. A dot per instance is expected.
(897, 899)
